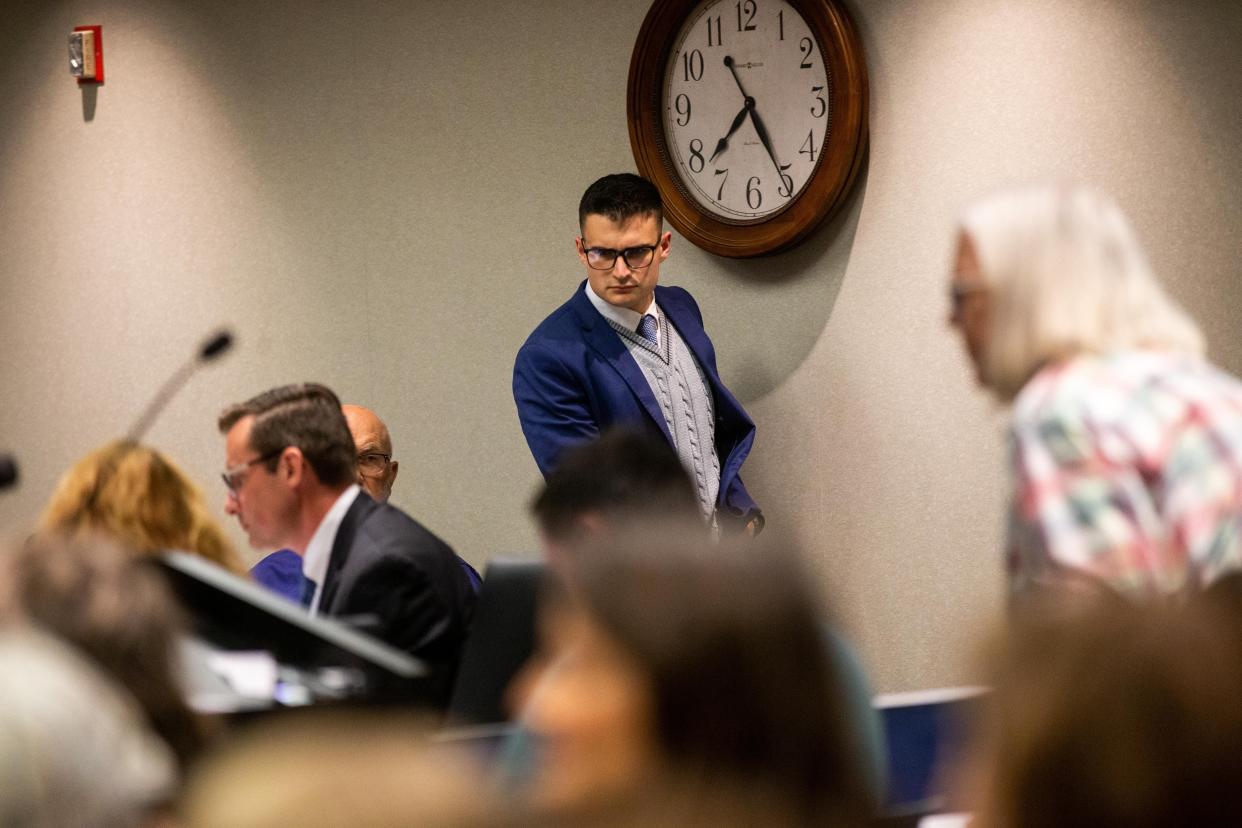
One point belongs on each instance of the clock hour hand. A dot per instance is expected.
(723, 143)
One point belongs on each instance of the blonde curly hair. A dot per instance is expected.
(139, 498)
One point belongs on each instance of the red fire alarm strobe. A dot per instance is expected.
(86, 54)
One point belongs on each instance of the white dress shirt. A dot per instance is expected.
(319, 550)
(624, 317)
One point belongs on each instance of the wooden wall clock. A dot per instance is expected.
(749, 115)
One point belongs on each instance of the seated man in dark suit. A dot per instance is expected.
(291, 483)
(281, 571)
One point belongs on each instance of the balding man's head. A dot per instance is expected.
(377, 471)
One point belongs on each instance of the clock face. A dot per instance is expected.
(749, 116)
(745, 107)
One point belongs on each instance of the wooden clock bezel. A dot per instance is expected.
(841, 49)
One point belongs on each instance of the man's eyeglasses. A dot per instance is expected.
(234, 478)
(603, 258)
(373, 463)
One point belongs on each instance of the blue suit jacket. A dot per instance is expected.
(574, 378)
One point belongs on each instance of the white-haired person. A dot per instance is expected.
(1126, 444)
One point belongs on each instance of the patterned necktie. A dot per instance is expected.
(647, 328)
(308, 591)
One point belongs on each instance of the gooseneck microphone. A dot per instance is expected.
(213, 347)
(8, 471)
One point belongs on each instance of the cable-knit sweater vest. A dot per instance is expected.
(685, 399)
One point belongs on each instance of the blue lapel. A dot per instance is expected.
(600, 336)
(692, 334)
(675, 307)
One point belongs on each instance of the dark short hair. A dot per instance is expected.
(305, 415)
(620, 197)
(626, 473)
(731, 639)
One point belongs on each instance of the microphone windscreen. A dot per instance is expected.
(217, 344)
(8, 471)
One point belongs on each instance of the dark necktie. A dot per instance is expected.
(308, 591)
(647, 328)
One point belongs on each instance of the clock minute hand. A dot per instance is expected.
(762, 131)
(728, 61)
(763, 136)
(723, 143)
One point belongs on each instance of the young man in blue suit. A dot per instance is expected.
(625, 350)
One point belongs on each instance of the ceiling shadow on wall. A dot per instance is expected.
(780, 305)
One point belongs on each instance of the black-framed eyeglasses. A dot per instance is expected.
(373, 463)
(603, 258)
(234, 478)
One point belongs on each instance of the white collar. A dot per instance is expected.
(624, 317)
(319, 550)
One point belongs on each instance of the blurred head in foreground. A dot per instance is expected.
(328, 770)
(139, 498)
(1045, 273)
(1115, 715)
(73, 749)
(623, 479)
(674, 670)
(117, 611)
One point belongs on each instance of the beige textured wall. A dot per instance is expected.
(381, 196)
